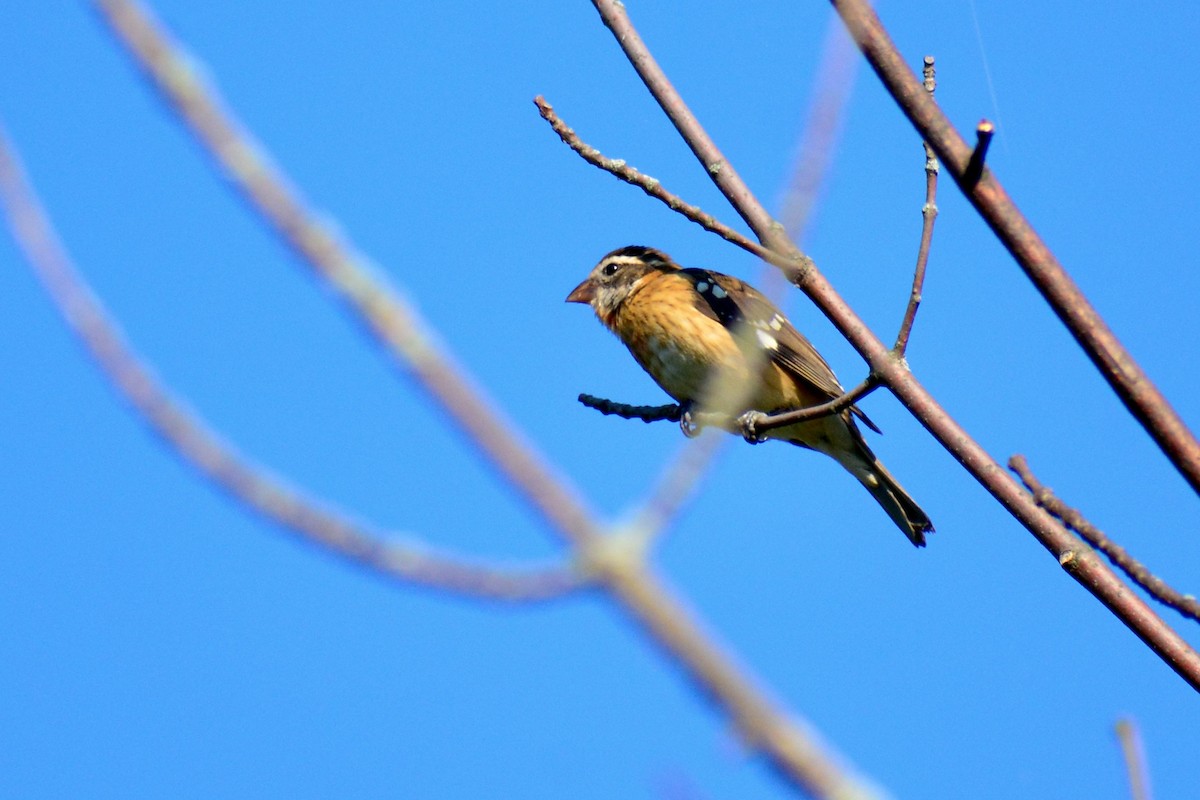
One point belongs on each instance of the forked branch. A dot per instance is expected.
(984, 191)
(392, 321)
(1157, 588)
(1087, 569)
(790, 747)
(210, 455)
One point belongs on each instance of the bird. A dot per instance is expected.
(683, 325)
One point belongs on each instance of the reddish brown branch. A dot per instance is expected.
(619, 169)
(782, 252)
(1090, 571)
(209, 454)
(1118, 367)
(1157, 588)
(929, 213)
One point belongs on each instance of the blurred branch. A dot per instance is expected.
(1088, 570)
(821, 129)
(1134, 755)
(793, 749)
(1157, 588)
(1124, 375)
(929, 212)
(209, 454)
(381, 310)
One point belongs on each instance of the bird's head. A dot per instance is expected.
(617, 276)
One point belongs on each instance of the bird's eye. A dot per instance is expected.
(609, 270)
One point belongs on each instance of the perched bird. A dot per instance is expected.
(685, 325)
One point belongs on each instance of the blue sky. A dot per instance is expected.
(155, 640)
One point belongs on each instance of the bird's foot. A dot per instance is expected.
(689, 426)
(749, 425)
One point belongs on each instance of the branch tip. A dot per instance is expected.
(620, 169)
(196, 444)
(1119, 556)
(983, 140)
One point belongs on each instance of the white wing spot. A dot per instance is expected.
(766, 340)
(719, 293)
(776, 323)
(702, 287)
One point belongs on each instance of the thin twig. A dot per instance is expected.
(750, 425)
(1088, 570)
(1124, 375)
(618, 168)
(1134, 755)
(755, 425)
(1157, 588)
(929, 213)
(670, 412)
(983, 139)
(384, 313)
(201, 448)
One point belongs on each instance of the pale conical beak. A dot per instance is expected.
(583, 293)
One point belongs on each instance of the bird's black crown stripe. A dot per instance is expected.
(647, 254)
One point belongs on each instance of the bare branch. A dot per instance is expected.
(209, 454)
(755, 424)
(670, 412)
(1124, 375)
(750, 425)
(929, 213)
(792, 748)
(1134, 755)
(651, 186)
(1086, 568)
(383, 312)
(782, 252)
(1157, 588)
